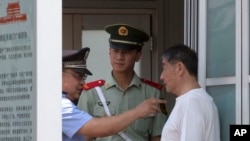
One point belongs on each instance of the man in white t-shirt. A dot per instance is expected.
(194, 116)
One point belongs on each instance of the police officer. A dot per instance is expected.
(122, 88)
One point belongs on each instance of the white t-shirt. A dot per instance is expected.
(193, 118)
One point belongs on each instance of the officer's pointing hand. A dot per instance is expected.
(149, 107)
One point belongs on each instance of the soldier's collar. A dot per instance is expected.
(111, 82)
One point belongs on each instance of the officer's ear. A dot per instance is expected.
(138, 56)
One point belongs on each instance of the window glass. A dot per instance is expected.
(224, 97)
(221, 38)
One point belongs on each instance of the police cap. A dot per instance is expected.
(126, 37)
(76, 60)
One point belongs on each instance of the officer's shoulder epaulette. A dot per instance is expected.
(93, 84)
(153, 84)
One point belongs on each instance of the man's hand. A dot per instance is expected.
(149, 107)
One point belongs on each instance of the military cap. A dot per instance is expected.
(126, 37)
(76, 60)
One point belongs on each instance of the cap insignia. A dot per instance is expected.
(123, 31)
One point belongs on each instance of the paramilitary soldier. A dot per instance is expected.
(123, 89)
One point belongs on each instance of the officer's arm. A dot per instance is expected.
(105, 126)
(87, 138)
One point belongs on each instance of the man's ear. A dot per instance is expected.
(180, 67)
(138, 56)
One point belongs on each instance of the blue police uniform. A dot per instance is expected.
(72, 120)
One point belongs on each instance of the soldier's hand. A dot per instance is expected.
(149, 107)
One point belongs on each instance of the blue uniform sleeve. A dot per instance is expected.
(72, 117)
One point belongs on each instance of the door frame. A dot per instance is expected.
(242, 43)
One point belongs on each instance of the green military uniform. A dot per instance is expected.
(118, 101)
(125, 37)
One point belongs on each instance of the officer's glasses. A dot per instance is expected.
(78, 76)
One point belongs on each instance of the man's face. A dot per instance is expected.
(123, 60)
(72, 84)
(168, 75)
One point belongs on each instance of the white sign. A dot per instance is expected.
(17, 61)
(30, 82)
